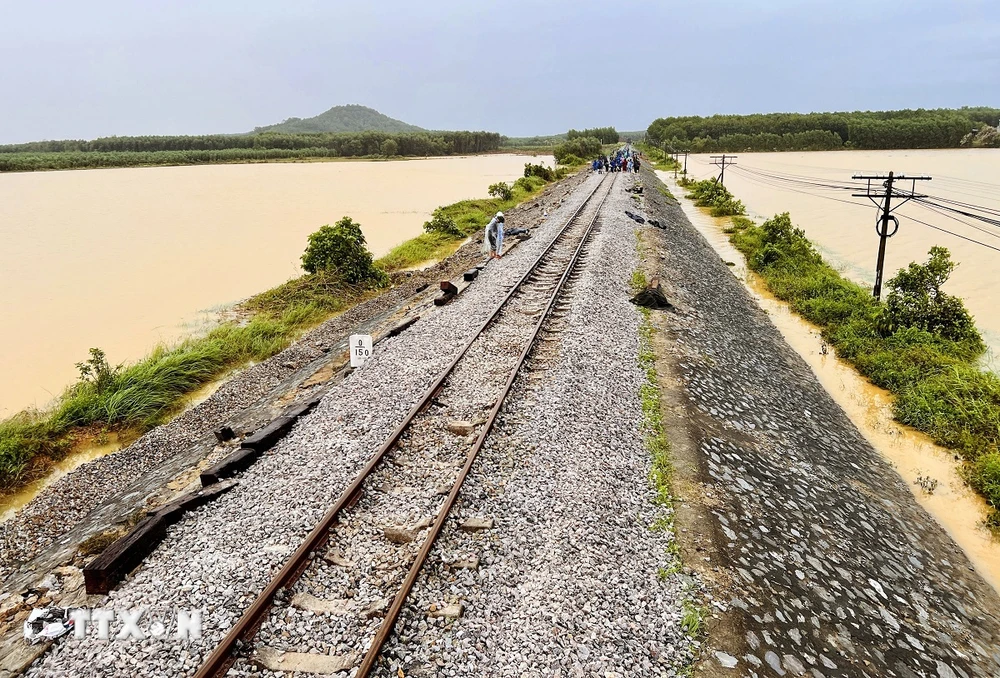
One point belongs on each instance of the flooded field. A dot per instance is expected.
(930, 470)
(124, 258)
(843, 227)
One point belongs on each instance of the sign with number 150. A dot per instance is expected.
(361, 349)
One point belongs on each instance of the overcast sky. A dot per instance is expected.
(72, 69)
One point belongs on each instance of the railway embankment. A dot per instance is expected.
(829, 565)
(780, 543)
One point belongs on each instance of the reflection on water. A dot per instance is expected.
(124, 258)
(11, 503)
(914, 456)
(843, 227)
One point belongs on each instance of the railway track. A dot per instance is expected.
(362, 559)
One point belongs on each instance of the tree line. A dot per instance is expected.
(180, 150)
(606, 135)
(920, 128)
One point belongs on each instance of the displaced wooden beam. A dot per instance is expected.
(123, 556)
(265, 438)
(398, 329)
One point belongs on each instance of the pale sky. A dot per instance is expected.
(72, 69)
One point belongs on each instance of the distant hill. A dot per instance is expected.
(350, 118)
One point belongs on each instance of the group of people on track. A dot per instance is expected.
(624, 160)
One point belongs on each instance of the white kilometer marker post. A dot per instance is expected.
(361, 349)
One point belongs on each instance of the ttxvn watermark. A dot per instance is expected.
(110, 624)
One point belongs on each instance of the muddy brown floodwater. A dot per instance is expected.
(930, 470)
(124, 258)
(843, 227)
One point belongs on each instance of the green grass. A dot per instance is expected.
(639, 281)
(139, 396)
(143, 394)
(469, 216)
(938, 386)
(692, 618)
(425, 247)
(661, 160)
(661, 470)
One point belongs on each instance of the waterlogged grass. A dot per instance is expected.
(938, 387)
(466, 218)
(425, 247)
(143, 394)
(139, 396)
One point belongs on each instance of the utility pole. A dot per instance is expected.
(886, 208)
(722, 161)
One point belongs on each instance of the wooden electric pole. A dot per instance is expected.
(722, 161)
(886, 208)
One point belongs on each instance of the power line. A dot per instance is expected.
(723, 161)
(764, 182)
(944, 230)
(954, 218)
(754, 176)
(882, 229)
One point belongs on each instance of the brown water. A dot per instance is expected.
(124, 258)
(845, 232)
(914, 455)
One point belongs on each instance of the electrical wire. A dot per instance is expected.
(944, 230)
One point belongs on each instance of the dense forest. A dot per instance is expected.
(934, 128)
(350, 118)
(216, 148)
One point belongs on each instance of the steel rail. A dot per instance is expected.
(389, 621)
(222, 658)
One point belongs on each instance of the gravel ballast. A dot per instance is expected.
(220, 556)
(576, 578)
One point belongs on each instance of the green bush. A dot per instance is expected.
(390, 148)
(916, 300)
(571, 160)
(582, 147)
(501, 190)
(920, 344)
(710, 193)
(539, 170)
(440, 223)
(528, 185)
(341, 248)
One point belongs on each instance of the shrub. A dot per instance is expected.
(501, 190)
(710, 193)
(539, 170)
(916, 300)
(528, 185)
(440, 223)
(390, 148)
(583, 147)
(571, 160)
(341, 248)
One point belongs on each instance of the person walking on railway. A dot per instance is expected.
(493, 237)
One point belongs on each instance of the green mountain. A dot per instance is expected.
(350, 118)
